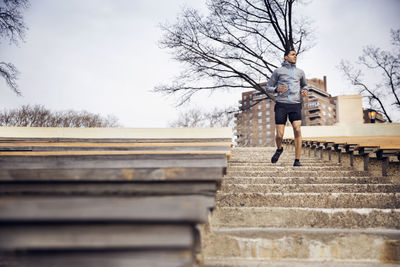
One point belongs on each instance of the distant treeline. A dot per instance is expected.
(39, 116)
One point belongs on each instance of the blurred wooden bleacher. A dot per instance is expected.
(385, 149)
(90, 200)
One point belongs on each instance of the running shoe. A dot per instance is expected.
(276, 156)
(297, 163)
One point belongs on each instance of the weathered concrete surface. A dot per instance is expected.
(267, 163)
(374, 166)
(235, 262)
(321, 214)
(346, 159)
(310, 200)
(359, 163)
(305, 180)
(312, 188)
(349, 218)
(310, 167)
(294, 173)
(335, 156)
(325, 154)
(394, 172)
(267, 158)
(297, 243)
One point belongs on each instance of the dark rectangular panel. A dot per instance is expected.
(97, 208)
(114, 174)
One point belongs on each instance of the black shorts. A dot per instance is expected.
(283, 110)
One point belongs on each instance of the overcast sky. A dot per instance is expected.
(103, 55)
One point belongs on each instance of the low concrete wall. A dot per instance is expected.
(48, 132)
(369, 129)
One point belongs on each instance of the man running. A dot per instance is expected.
(290, 84)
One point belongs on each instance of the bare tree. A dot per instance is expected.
(384, 95)
(39, 116)
(199, 118)
(237, 46)
(12, 27)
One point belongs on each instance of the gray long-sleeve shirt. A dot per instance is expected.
(293, 78)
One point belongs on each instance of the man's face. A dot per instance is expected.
(291, 58)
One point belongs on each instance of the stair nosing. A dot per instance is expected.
(305, 230)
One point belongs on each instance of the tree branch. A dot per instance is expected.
(10, 73)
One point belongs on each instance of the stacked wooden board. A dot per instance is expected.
(106, 201)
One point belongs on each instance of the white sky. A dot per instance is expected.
(103, 56)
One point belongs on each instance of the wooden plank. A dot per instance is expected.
(86, 144)
(390, 147)
(113, 161)
(389, 144)
(225, 149)
(108, 188)
(114, 258)
(362, 139)
(114, 140)
(97, 208)
(95, 236)
(114, 174)
(111, 152)
(381, 145)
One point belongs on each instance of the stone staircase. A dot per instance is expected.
(321, 214)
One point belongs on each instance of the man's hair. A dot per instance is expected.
(287, 51)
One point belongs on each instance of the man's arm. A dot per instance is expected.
(303, 82)
(271, 84)
(304, 85)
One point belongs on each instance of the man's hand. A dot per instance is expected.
(304, 93)
(281, 89)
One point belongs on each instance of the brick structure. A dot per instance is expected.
(255, 125)
(320, 107)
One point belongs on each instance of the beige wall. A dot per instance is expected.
(349, 109)
(369, 129)
(38, 132)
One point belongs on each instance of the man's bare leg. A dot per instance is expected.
(297, 138)
(280, 130)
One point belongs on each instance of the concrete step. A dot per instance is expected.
(297, 172)
(323, 244)
(305, 180)
(309, 200)
(287, 168)
(261, 152)
(267, 158)
(269, 150)
(285, 154)
(280, 164)
(321, 214)
(318, 188)
(258, 148)
(245, 262)
(305, 217)
(285, 162)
